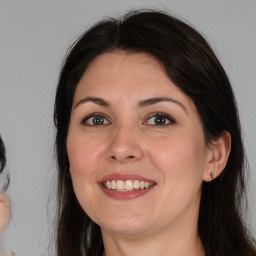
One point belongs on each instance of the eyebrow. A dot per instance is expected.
(95, 100)
(141, 104)
(152, 101)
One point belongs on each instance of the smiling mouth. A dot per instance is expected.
(128, 185)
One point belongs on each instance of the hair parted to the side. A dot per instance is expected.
(193, 67)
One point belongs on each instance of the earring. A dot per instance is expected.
(212, 175)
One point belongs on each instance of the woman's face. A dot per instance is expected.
(136, 147)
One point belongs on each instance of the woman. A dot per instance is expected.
(148, 142)
(4, 200)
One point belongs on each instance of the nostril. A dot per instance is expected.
(120, 158)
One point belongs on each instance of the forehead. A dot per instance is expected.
(126, 73)
(119, 63)
(124, 80)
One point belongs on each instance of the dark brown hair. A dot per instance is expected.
(193, 67)
(2, 164)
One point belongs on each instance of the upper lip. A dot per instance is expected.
(124, 177)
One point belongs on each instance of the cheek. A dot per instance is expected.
(83, 161)
(82, 153)
(181, 163)
(180, 158)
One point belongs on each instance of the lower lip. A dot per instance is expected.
(125, 195)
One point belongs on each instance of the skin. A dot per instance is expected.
(4, 211)
(174, 155)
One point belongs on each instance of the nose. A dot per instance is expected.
(125, 146)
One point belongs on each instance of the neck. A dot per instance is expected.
(179, 241)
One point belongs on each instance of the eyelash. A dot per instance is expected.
(163, 116)
(94, 115)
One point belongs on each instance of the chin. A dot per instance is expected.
(125, 225)
(125, 230)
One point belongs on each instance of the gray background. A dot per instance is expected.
(34, 37)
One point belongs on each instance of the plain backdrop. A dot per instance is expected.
(34, 38)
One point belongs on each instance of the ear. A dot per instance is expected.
(217, 156)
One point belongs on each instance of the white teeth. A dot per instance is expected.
(108, 184)
(119, 185)
(136, 184)
(128, 185)
(113, 184)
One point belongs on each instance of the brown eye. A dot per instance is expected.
(96, 120)
(160, 120)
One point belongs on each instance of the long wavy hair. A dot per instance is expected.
(192, 66)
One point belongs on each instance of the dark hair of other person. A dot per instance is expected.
(193, 67)
(2, 163)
